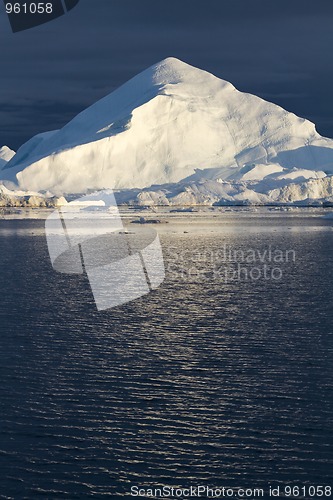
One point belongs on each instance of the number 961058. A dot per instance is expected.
(29, 8)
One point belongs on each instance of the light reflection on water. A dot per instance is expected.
(202, 381)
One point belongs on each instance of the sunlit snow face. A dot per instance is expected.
(88, 236)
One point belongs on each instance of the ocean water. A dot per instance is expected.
(221, 377)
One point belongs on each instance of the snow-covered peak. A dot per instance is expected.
(172, 71)
(162, 126)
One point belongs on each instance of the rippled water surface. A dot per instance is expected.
(205, 381)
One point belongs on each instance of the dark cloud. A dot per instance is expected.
(280, 51)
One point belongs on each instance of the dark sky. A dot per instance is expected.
(279, 50)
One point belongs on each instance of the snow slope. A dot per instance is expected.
(169, 123)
